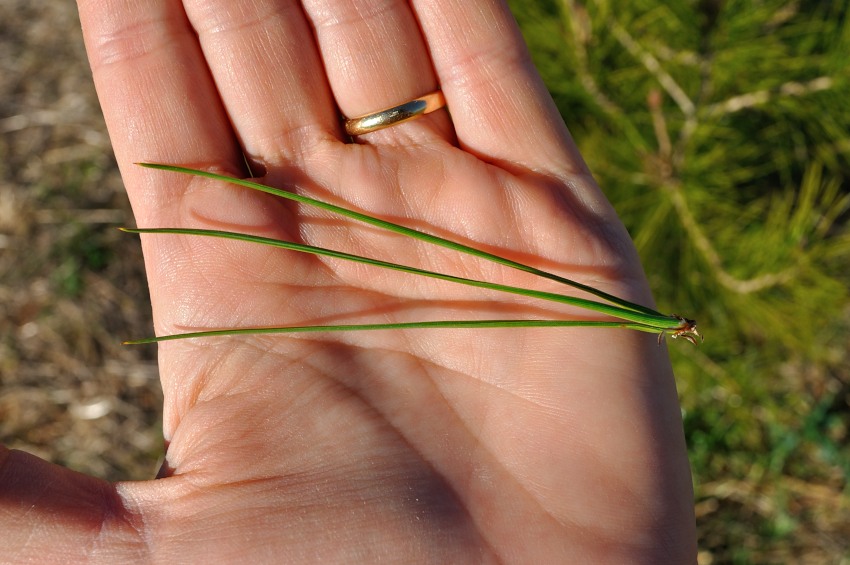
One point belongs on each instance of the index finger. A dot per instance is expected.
(500, 107)
(158, 98)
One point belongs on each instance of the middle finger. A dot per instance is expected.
(268, 72)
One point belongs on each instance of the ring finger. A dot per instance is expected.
(375, 57)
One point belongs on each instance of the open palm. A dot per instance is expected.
(449, 446)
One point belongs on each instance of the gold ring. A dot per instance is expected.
(395, 115)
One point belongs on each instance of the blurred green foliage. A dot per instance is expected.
(720, 130)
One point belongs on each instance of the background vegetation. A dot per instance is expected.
(71, 285)
(719, 129)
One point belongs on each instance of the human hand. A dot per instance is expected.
(514, 445)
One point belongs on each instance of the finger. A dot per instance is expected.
(375, 57)
(500, 107)
(269, 73)
(158, 98)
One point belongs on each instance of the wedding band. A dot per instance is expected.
(395, 115)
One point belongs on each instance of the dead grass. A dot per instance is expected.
(71, 285)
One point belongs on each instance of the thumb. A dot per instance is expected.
(49, 514)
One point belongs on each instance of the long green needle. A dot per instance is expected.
(436, 240)
(656, 321)
(632, 316)
(472, 324)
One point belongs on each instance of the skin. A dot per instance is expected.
(445, 446)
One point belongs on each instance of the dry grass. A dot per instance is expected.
(71, 285)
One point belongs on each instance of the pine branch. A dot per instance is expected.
(761, 97)
(709, 253)
(672, 186)
(648, 60)
(581, 29)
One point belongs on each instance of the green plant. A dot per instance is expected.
(625, 314)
